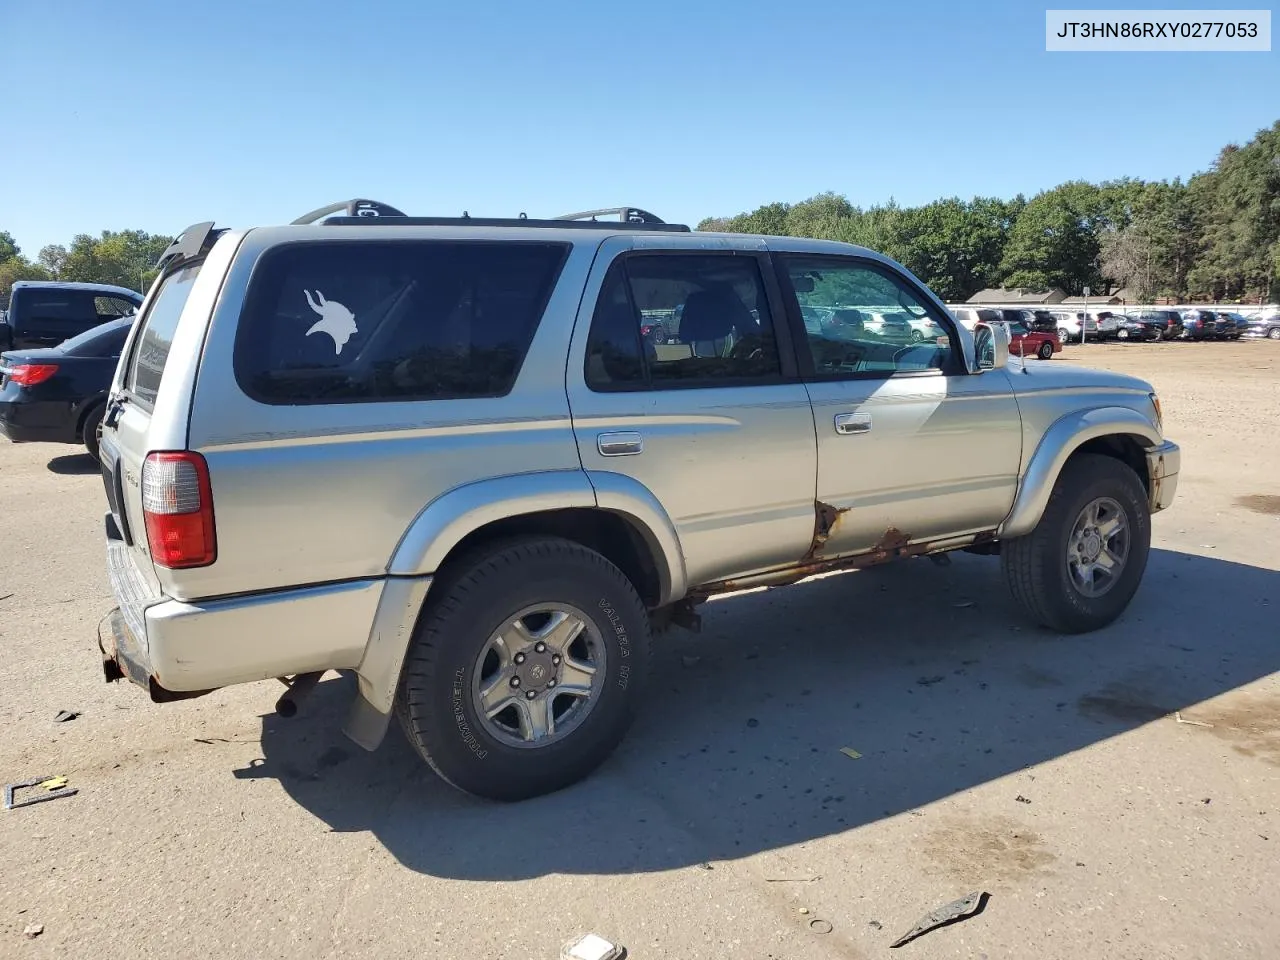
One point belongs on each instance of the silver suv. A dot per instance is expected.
(440, 454)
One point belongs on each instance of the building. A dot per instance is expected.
(1018, 296)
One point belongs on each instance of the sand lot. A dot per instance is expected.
(1049, 772)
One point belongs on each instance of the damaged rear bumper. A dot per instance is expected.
(125, 658)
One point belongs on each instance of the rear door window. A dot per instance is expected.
(151, 347)
(61, 312)
(344, 322)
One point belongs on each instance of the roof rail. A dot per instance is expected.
(625, 215)
(353, 208)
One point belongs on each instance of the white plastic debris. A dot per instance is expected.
(591, 947)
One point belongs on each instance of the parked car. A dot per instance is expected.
(1071, 323)
(1025, 342)
(890, 324)
(1237, 328)
(1199, 325)
(1132, 328)
(44, 313)
(58, 394)
(1264, 327)
(1168, 321)
(436, 453)
(1108, 325)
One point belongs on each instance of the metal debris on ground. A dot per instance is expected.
(851, 753)
(592, 947)
(63, 716)
(875, 924)
(33, 930)
(818, 925)
(791, 879)
(1177, 715)
(949, 913)
(1021, 799)
(55, 788)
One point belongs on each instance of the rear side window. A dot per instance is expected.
(151, 346)
(108, 308)
(347, 322)
(36, 307)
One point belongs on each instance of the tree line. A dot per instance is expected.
(126, 258)
(1214, 237)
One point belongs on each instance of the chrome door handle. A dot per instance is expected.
(625, 444)
(853, 423)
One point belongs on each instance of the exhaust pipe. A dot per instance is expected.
(299, 687)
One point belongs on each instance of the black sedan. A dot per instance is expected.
(1132, 328)
(58, 394)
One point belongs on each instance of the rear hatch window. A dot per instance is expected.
(343, 322)
(151, 347)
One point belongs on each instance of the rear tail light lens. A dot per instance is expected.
(177, 504)
(29, 374)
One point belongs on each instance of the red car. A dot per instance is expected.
(1032, 343)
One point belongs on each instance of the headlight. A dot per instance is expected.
(1155, 402)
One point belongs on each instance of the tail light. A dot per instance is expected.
(29, 374)
(177, 503)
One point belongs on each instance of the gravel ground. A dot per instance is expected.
(1048, 772)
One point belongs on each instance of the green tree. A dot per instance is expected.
(53, 258)
(14, 269)
(1054, 242)
(126, 258)
(8, 246)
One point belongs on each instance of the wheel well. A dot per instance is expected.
(1125, 447)
(609, 534)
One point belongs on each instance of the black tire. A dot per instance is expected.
(1046, 351)
(1273, 333)
(436, 704)
(1035, 566)
(89, 430)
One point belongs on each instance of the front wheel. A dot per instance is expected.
(1064, 334)
(1081, 565)
(1273, 333)
(525, 669)
(1046, 351)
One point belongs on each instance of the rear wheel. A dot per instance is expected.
(1273, 333)
(91, 431)
(1046, 351)
(1064, 334)
(1081, 565)
(525, 669)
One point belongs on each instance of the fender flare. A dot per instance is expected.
(443, 523)
(1059, 442)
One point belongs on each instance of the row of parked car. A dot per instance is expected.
(1143, 324)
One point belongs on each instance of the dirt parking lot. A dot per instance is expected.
(1049, 772)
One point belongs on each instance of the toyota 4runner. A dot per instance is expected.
(441, 454)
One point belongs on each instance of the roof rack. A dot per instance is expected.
(372, 213)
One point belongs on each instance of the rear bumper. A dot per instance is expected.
(1163, 463)
(178, 649)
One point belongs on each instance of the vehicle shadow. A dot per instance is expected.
(74, 464)
(928, 672)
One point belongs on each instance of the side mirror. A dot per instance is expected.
(991, 345)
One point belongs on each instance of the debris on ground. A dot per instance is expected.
(804, 910)
(33, 930)
(705, 866)
(1021, 799)
(55, 788)
(592, 947)
(62, 716)
(818, 925)
(851, 753)
(791, 879)
(949, 913)
(1177, 715)
(929, 681)
(875, 924)
(6, 596)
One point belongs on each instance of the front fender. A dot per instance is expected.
(1062, 439)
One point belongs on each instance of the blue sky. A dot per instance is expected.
(156, 115)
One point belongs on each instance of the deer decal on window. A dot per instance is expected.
(335, 320)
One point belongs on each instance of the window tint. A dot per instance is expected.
(42, 306)
(151, 347)
(677, 320)
(343, 322)
(877, 324)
